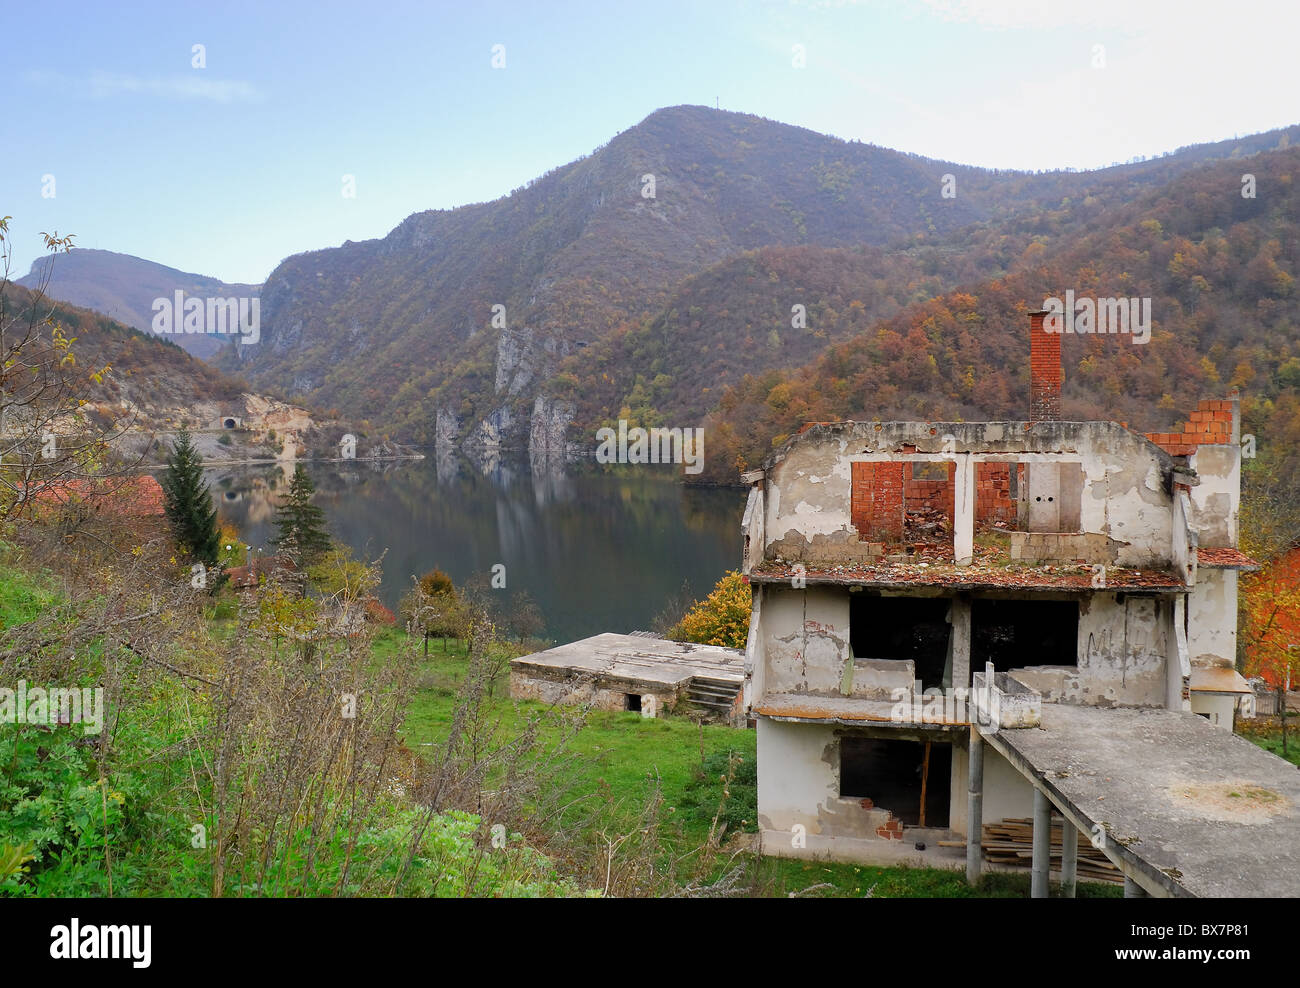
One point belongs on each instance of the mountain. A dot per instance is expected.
(140, 388)
(1219, 269)
(604, 294)
(124, 288)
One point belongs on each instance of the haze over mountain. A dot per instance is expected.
(140, 388)
(599, 265)
(124, 287)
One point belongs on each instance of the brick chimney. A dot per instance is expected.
(1044, 371)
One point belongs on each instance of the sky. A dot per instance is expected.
(114, 132)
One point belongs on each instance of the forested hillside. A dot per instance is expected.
(1220, 270)
(146, 372)
(613, 298)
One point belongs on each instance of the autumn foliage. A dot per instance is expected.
(1272, 621)
(721, 618)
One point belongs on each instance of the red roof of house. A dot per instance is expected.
(136, 497)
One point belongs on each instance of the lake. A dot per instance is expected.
(599, 548)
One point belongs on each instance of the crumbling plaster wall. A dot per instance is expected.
(751, 527)
(805, 639)
(798, 772)
(1121, 655)
(802, 646)
(575, 690)
(1216, 499)
(1212, 618)
(1178, 666)
(755, 651)
(799, 784)
(808, 495)
(1125, 496)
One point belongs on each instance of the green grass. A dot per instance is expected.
(621, 751)
(627, 753)
(1271, 740)
(858, 881)
(619, 755)
(22, 596)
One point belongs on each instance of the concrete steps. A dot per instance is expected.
(716, 694)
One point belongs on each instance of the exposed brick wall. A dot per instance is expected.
(1044, 372)
(877, 508)
(1209, 425)
(993, 493)
(892, 829)
(936, 494)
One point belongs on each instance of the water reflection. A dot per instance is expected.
(600, 548)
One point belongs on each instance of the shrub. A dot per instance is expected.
(721, 618)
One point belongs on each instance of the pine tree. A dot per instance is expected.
(300, 525)
(187, 501)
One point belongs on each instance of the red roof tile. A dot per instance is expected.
(1055, 577)
(1225, 559)
(246, 576)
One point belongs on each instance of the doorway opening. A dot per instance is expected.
(911, 779)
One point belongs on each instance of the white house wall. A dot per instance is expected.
(1215, 500)
(1212, 618)
(805, 638)
(809, 481)
(1007, 794)
(1122, 645)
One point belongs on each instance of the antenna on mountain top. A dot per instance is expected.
(715, 103)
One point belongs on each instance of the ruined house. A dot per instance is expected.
(1090, 565)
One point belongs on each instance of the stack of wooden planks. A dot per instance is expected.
(1011, 842)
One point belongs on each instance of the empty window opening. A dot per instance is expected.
(928, 503)
(997, 490)
(632, 702)
(913, 628)
(1016, 633)
(892, 774)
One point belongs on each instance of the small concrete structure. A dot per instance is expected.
(632, 672)
(1219, 694)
